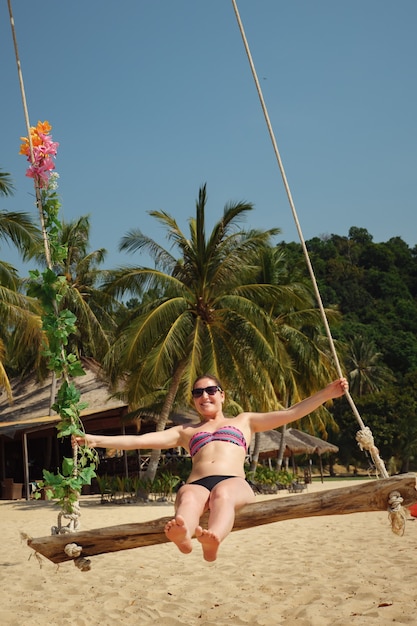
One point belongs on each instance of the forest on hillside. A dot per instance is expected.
(374, 286)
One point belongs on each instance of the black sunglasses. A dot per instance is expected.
(198, 391)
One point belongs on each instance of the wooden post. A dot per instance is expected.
(26, 464)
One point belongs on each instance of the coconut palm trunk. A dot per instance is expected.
(163, 419)
(281, 450)
(255, 454)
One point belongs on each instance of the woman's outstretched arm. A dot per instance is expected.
(265, 421)
(164, 439)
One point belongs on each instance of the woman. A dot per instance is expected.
(218, 446)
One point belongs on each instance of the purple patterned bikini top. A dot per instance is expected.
(230, 434)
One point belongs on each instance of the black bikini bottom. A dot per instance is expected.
(209, 482)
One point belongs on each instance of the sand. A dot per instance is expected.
(339, 571)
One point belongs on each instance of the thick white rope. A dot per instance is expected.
(396, 513)
(364, 437)
(74, 521)
(373, 451)
(26, 114)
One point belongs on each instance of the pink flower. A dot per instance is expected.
(44, 149)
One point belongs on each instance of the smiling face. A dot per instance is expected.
(209, 405)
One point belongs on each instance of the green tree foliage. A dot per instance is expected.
(208, 313)
(363, 363)
(20, 330)
(6, 184)
(94, 309)
(374, 286)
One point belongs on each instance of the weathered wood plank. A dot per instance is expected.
(369, 496)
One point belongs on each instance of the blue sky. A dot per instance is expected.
(151, 99)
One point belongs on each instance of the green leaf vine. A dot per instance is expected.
(49, 287)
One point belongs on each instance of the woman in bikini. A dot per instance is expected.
(218, 447)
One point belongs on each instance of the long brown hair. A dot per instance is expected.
(213, 378)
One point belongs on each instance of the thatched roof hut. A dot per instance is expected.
(270, 442)
(320, 445)
(31, 399)
(27, 426)
(296, 443)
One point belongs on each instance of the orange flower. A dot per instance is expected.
(43, 127)
(24, 148)
(35, 131)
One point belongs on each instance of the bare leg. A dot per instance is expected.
(225, 499)
(190, 504)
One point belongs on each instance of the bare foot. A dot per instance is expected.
(177, 532)
(209, 541)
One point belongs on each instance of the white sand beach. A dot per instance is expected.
(327, 571)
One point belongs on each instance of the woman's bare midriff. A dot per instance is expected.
(218, 458)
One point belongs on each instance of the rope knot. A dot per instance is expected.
(83, 564)
(72, 550)
(395, 501)
(73, 523)
(396, 513)
(365, 439)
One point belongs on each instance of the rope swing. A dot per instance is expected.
(364, 437)
(74, 515)
(69, 543)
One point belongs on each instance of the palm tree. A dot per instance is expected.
(21, 336)
(18, 228)
(95, 310)
(300, 343)
(6, 184)
(363, 363)
(20, 331)
(207, 318)
(21, 327)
